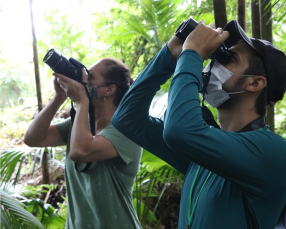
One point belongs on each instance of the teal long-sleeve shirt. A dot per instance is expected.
(227, 174)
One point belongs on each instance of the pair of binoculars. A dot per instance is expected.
(222, 54)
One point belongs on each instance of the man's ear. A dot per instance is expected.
(256, 83)
(111, 89)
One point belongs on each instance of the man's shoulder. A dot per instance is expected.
(264, 133)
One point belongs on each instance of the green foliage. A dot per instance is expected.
(14, 121)
(11, 89)
(280, 122)
(45, 213)
(11, 161)
(63, 36)
(36, 192)
(278, 8)
(11, 164)
(8, 162)
(63, 209)
(16, 83)
(151, 182)
(13, 215)
(278, 27)
(135, 31)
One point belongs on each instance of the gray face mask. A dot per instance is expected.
(93, 93)
(219, 75)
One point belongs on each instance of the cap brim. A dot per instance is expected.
(236, 34)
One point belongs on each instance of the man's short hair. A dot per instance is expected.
(256, 67)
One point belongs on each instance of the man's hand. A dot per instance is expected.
(205, 39)
(73, 89)
(175, 46)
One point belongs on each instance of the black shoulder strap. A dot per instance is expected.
(208, 117)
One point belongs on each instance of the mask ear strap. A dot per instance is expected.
(206, 113)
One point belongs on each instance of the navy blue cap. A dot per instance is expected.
(274, 60)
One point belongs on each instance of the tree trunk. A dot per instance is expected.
(220, 14)
(255, 19)
(241, 14)
(265, 20)
(36, 61)
(266, 34)
(45, 164)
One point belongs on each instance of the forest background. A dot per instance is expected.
(32, 186)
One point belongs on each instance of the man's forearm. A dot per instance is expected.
(40, 126)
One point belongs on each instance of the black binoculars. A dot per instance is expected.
(222, 54)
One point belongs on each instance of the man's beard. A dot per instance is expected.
(234, 99)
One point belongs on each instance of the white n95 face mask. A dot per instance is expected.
(215, 95)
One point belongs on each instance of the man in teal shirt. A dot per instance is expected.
(235, 176)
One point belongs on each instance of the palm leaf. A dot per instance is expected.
(151, 162)
(130, 27)
(279, 7)
(8, 162)
(11, 158)
(13, 215)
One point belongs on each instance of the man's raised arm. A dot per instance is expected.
(132, 115)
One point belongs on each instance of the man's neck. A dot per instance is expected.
(236, 119)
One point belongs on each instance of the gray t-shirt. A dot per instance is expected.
(101, 198)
